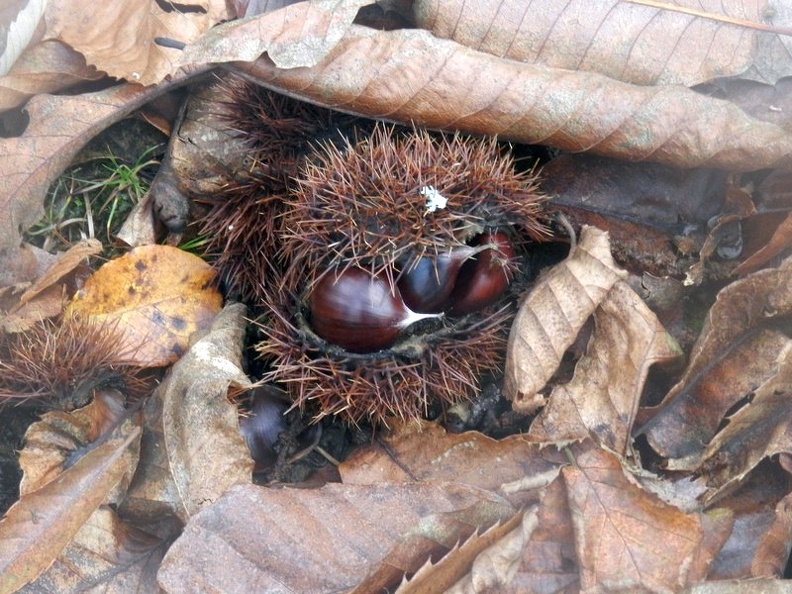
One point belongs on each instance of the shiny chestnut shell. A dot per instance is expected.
(358, 311)
(426, 287)
(483, 280)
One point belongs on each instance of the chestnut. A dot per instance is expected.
(482, 280)
(427, 285)
(358, 311)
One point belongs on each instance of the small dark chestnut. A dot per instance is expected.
(359, 312)
(427, 285)
(482, 280)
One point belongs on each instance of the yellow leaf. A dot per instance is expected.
(156, 297)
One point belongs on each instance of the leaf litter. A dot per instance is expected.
(606, 489)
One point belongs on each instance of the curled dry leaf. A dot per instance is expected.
(155, 297)
(336, 535)
(602, 398)
(40, 525)
(733, 355)
(60, 438)
(119, 37)
(206, 452)
(635, 43)
(754, 433)
(192, 450)
(551, 316)
(412, 76)
(44, 298)
(549, 558)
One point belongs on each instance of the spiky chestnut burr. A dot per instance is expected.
(240, 222)
(363, 207)
(59, 365)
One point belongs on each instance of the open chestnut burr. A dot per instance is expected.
(414, 222)
(381, 305)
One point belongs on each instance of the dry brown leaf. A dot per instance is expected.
(38, 527)
(760, 516)
(732, 356)
(59, 127)
(757, 431)
(19, 22)
(45, 67)
(627, 539)
(106, 555)
(153, 502)
(778, 243)
(192, 449)
(296, 36)
(487, 560)
(602, 398)
(156, 297)
(549, 563)
(772, 552)
(420, 451)
(119, 37)
(765, 586)
(45, 298)
(412, 76)
(206, 451)
(335, 535)
(644, 45)
(551, 316)
(59, 436)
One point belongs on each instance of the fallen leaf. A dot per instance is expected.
(40, 525)
(206, 451)
(421, 451)
(55, 442)
(484, 560)
(399, 75)
(105, 553)
(156, 297)
(19, 21)
(551, 316)
(46, 67)
(45, 297)
(627, 539)
(633, 42)
(191, 449)
(549, 562)
(296, 36)
(733, 355)
(119, 38)
(757, 431)
(335, 534)
(756, 545)
(602, 398)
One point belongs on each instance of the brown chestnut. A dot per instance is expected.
(358, 311)
(427, 286)
(482, 280)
